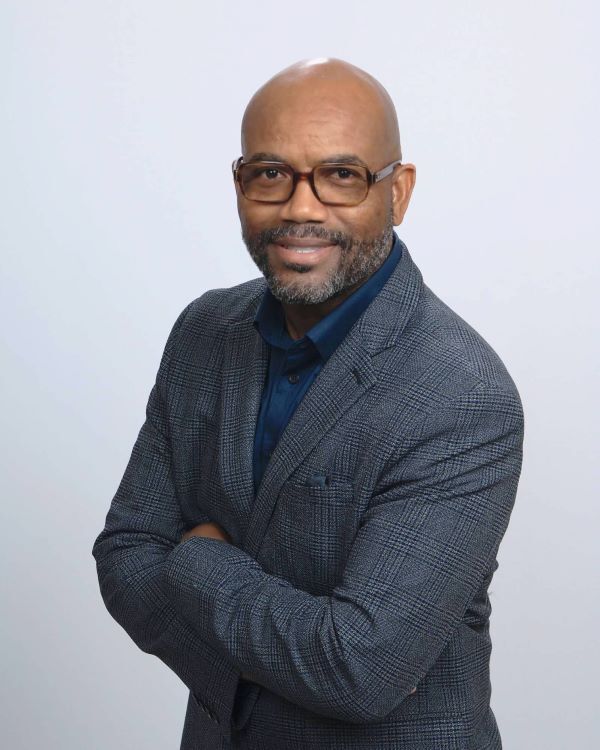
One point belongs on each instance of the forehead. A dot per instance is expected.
(305, 128)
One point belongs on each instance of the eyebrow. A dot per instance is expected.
(332, 159)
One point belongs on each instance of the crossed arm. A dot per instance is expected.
(425, 544)
(423, 549)
(211, 530)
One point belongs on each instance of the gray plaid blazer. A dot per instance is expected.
(360, 569)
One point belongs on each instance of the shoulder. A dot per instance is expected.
(228, 304)
(452, 393)
(457, 340)
(211, 316)
(449, 362)
(219, 309)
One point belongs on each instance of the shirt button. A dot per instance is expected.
(293, 377)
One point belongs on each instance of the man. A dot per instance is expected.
(308, 524)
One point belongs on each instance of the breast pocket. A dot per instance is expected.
(310, 534)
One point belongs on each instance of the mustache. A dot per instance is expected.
(268, 236)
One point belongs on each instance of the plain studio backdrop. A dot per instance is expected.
(119, 123)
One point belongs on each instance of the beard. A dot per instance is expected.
(359, 259)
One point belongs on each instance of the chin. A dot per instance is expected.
(297, 293)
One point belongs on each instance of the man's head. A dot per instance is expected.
(314, 112)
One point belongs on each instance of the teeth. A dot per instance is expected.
(303, 250)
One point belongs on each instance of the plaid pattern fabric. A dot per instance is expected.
(360, 569)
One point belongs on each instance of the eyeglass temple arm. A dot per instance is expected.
(377, 176)
(235, 164)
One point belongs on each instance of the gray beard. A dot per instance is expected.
(359, 260)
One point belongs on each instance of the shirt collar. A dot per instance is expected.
(329, 332)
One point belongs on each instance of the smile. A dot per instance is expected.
(298, 248)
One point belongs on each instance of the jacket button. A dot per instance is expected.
(293, 377)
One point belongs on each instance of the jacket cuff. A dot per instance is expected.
(201, 577)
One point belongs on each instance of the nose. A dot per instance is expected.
(304, 205)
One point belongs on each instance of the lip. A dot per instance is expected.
(288, 252)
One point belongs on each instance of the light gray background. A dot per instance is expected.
(119, 122)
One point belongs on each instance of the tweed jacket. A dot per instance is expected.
(360, 569)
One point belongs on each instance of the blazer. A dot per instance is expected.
(360, 569)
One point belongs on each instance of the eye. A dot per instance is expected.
(342, 174)
(266, 173)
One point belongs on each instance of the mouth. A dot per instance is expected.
(303, 249)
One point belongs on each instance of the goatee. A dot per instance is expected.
(359, 259)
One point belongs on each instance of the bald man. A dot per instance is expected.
(308, 524)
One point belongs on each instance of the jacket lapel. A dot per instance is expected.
(246, 359)
(348, 374)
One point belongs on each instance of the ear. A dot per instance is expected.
(403, 182)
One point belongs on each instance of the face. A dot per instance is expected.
(310, 252)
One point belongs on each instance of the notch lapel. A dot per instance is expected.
(246, 358)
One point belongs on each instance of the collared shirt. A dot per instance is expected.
(294, 364)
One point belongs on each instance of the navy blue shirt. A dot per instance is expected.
(294, 364)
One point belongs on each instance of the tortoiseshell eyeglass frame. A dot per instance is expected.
(371, 177)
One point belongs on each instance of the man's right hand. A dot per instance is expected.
(209, 529)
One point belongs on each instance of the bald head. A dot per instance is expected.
(307, 95)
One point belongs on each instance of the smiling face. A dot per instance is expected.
(311, 114)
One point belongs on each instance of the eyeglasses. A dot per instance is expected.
(333, 184)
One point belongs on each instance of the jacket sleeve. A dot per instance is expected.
(426, 542)
(142, 526)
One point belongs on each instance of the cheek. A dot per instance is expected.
(365, 222)
(255, 217)
(378, 207)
